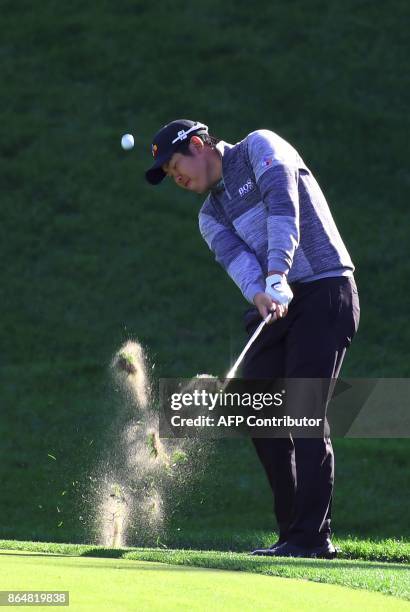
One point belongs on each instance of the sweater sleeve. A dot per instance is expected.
(230, 251)
(274, 163)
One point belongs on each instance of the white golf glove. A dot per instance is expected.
(278, 289)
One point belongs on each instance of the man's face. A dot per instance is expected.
(190, 171)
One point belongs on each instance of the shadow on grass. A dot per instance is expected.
(112, 553)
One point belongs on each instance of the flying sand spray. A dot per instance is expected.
(150, 464)
(133, 492)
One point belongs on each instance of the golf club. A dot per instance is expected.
(251, 340)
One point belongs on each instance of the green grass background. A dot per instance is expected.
(91, 255)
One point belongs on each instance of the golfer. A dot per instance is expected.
(269, 226)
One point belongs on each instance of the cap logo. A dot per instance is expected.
(182, 134)
(154, 150)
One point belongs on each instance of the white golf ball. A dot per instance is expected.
(127, 142)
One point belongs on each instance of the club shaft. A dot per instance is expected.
(251, 340)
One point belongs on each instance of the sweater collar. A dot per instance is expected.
(222, 147)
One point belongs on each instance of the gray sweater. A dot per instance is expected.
(269, 213)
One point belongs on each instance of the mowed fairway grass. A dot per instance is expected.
(121, 584)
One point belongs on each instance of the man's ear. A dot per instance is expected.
(196, 143)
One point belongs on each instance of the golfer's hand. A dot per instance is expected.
(278, 289)
(265, 304)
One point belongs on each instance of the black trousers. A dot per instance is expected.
(310, 342)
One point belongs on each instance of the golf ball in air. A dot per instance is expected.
(127, 142)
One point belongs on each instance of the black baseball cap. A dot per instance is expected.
(167, 141)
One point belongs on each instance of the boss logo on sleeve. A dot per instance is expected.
(249, 185)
